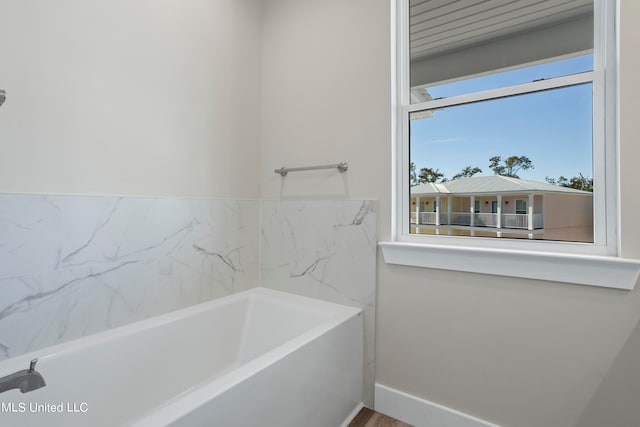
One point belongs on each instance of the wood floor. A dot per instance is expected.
(369, 418)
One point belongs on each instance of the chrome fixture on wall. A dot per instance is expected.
(3, 96)
(342, 167)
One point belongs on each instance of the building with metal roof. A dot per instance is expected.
(501, 206)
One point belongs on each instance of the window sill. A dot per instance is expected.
(603, 271)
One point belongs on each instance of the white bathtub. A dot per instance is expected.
(258, 358)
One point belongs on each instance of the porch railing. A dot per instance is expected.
(520, 221)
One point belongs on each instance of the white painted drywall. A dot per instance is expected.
(130, 97)
(325, 98)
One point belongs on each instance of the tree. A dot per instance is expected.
(430, 175)
(561, 180)
(579, 182)
(510, 166)
(467, 172)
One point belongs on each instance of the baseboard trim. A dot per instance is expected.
(352, 415)
(421, 413)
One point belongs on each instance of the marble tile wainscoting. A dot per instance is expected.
(71, 266)
(324, 250)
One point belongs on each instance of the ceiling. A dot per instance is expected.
(438, 26)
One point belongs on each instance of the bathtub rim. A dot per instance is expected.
(55, 351)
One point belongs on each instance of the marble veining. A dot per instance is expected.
(325, 250)
(75, 265)
(71, 266)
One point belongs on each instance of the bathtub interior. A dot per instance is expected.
(317, 385)
(268, 323)
(127, 372)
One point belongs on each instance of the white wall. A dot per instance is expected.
(516, 352)
(325, 98)
(130, 97)
(124, 97)
(629, 128)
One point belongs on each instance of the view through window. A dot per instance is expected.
(500, 125)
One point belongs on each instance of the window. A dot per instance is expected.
(545, 69)
(509, 106)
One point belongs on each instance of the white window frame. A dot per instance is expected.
(538, 259)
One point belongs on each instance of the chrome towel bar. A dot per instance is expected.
(342, 167)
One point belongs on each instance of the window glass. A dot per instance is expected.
(535, 145)
(563, 67)
(513, 164)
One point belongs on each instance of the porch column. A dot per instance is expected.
(449, 215)
(499, 214)
(417, 210)
(437, 211)
(530, 215)
(472, 214)
(472, 211)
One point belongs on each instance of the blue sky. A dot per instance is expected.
(552, 128)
